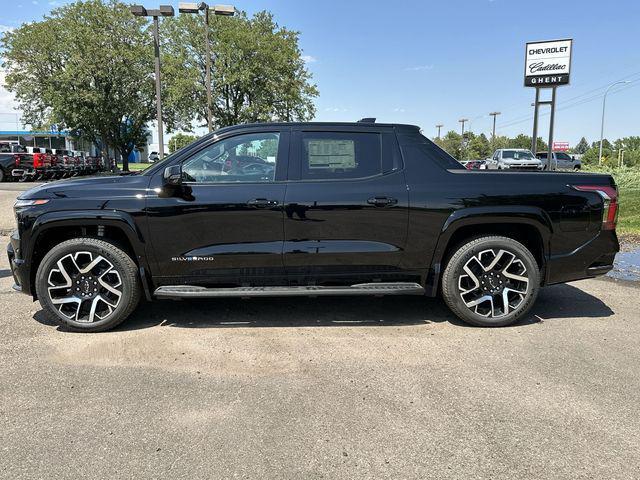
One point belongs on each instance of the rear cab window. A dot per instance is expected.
(340, 155)
(326, 153)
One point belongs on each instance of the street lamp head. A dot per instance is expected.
(188, 7)
(138, 10)
(167, 11)
(226, 10)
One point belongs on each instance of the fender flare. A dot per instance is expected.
(87, 218)
(482, 216)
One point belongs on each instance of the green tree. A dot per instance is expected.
(452, 144)
(479, 148)
(258, 73)
(582, 146)
(84, 67)
(180, 140)
(524, 141)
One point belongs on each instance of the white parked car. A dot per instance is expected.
(516, 159)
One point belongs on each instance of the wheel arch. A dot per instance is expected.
(530, 226)
(114, 226)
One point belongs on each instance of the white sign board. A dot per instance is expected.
(547, 64)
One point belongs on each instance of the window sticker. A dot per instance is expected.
(332, 154)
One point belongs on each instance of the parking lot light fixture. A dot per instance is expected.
(162, 11)
(604, 101)
(190, 7)
(224, 10)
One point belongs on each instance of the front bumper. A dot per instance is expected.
(18, 265)
(522, 166)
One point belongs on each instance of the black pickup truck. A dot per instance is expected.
(10, 156)
(310, 209)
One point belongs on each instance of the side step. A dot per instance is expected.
(187, 291)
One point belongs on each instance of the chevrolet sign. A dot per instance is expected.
(547, 64)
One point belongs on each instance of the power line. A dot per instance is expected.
(522, 118)
(567, 106)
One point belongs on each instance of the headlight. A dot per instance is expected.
(29, 203)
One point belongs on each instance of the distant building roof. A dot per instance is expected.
(24, 133)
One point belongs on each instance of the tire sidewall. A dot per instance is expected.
(73, 246)
(455, 268)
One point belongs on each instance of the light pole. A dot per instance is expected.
(163, 11)
(604, 101)
(463, 121)
(493, 132)
(224, 10)
(439, 126)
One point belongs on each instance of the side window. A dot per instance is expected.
(244, 158)
(562, 156)
(340, 155)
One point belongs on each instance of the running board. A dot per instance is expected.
(188, 291)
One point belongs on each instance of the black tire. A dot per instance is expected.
(475, 254)
(122, 266)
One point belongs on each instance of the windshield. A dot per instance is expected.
(518, 154)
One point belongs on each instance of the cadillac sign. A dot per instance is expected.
(547, 64)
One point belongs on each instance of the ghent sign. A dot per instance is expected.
(547, 64)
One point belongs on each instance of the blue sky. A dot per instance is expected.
(429, 62)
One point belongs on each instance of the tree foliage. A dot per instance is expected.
(85, 67)
(258, 73)
(180, 140)
(582, 146)
(478, 147)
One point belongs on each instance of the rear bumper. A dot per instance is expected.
(590, 260)
(18, 265)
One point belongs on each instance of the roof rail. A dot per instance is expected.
(367, 120)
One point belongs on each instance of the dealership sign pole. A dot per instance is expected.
(547, 65)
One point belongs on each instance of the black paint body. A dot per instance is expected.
(324, 232)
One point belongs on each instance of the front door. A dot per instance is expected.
(346, 206)
(223, 226)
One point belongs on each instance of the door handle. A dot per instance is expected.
(382, 201)
(262, 203)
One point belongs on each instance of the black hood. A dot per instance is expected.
(90, 187)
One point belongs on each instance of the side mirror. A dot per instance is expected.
(173, 175)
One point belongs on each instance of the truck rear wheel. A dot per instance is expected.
(491, 281)
(88, 284)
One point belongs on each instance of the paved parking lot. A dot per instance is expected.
(325, 388)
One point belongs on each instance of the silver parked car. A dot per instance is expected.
(516, 159)
(561, 161)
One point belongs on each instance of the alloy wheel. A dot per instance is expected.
(494, 283)
(84, 287)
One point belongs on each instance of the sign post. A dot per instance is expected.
(547, 65)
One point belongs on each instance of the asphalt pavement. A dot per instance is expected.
(324, 388)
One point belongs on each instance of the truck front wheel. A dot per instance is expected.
(491, 281)
(88, 284)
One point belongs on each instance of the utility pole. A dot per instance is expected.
(163, 11)
(225, 10)
(493, 132)
(439, 126)
(463, 121)
(462, 144)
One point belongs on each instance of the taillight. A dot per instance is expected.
(609, 197)
(16, 160)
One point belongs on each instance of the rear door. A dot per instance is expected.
(346, 206)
